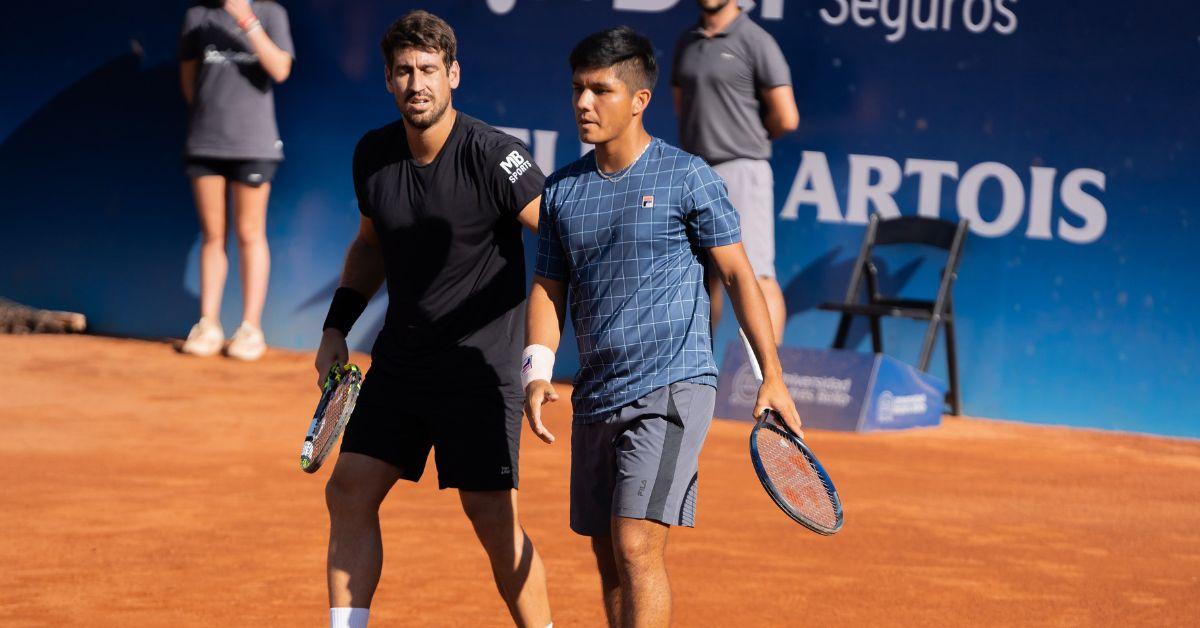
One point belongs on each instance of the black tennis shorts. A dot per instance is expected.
(475, 434)
(252, 172)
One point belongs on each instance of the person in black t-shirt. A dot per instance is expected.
(443, 197)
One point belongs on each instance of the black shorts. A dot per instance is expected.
(252, 172)
(475, 434)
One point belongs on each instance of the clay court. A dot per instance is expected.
(144, 488)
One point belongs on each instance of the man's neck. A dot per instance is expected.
(719, 20)
(425, 144)
(621, 151)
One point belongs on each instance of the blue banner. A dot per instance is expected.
(1066, 133)
(835, 389)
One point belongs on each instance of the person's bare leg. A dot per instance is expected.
(209, 191)
(516, 566)
(776, 307)
(640, 548)
(355, 489)
(610, 579)
(250, 210)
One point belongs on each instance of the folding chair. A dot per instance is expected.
(932, 232)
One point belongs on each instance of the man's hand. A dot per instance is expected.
(239, 9)
(537, 393)
(332, 350)
(774, 394)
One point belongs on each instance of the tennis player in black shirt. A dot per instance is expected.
(443, 197)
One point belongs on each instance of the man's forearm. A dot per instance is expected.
(363, 270)
(544, 315)
(755, 320)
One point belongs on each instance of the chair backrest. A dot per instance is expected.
(916, 230)
(933, 232)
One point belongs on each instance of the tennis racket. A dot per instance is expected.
(338, 395)
(793, 477)
(788, 469)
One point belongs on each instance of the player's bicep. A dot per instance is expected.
(367, 233)
(730, 260)
(553, 290)
(529, 216)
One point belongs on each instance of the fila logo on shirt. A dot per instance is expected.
(648, 201)
(515, 165)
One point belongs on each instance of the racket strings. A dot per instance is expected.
(796, 479)
(340, 402)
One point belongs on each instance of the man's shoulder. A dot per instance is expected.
(753, 32)
(385, 142)
(570, 173)
(483, 137)
(673, 159)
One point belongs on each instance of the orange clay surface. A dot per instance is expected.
(146, 488)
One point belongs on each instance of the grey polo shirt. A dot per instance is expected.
(720, 79)
(233, 115)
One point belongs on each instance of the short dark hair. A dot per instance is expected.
(630, 54)
(422, 30)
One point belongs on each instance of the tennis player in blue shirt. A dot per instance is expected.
(626, 228)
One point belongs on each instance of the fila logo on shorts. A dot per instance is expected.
(648, 201)
(515, 165)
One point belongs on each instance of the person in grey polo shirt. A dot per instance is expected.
(231, 53)
(733, 94)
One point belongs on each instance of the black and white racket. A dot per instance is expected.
(338, 395)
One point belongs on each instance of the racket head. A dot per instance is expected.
(338, 396)
(794, 478)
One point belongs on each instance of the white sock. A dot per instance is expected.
(345, 617)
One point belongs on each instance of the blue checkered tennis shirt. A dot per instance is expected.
(630, 250)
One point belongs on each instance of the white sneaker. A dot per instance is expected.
(205, 339)
(247, 343)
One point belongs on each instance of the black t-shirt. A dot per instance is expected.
(452, 249)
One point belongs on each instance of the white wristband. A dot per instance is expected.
(537, 362)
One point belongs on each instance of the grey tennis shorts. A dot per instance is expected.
(641, 461)
(751, 188)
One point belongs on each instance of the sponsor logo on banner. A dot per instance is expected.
(891, 406)
(875, 180)
(897, 16)
(833, 392)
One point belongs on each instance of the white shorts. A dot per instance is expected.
(751, 188)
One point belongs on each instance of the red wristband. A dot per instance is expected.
(245, 22)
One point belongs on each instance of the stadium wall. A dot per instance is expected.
(1065, 131)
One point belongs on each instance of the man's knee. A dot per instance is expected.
(640, 545)
(492, 515)
(353, 491)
